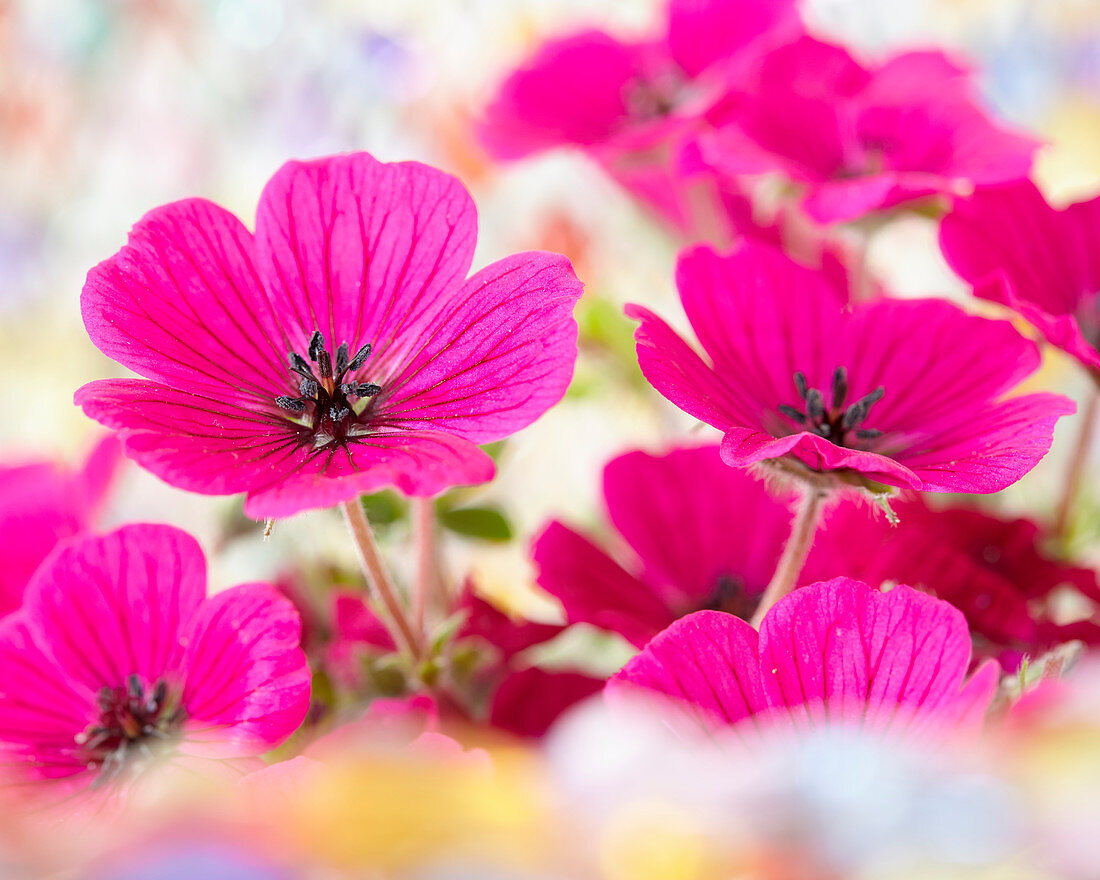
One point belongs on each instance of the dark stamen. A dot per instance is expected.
(308, 388)
(791, 413)
(360, 389)
(840, 387)
(800, 384)
(338, 415)
(324, 362)
(815, 405)
(299, 365)
(360, 357)
(292, 404)
(341, 358)
(868, 433)
(316, 346)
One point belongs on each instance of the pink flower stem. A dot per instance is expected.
(377, 579)
(1077, 462)
(427, 579)
(805, 525)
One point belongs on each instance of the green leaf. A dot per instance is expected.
(483, 523)
(383, 508)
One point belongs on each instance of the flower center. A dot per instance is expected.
(835, 422)
(729, 595)
(325, 398)
(131, 720)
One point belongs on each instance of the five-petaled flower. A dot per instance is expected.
(832, 652)
(861, 139)
(908, 393)
(700, 535)
(339, 349)
(117, 657)
(1015, 249)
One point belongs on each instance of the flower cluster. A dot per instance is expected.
(786, 578)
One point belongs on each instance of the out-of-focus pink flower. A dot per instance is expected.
(529, 701)
(700, 535)
(862, 138)
(42, 503)
(596, 91)
(117, 655)
(989, 568)
(832, 652)
(398, 364)
(1015, 249)
(907, 393)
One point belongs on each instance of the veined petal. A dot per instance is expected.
(840, 651)
(416, 463)
(593, 588)
(182, 303)
(987, 449)
(139, 586)
(706, 664)
(246, 681)
(528, 702)
(495, 357)
(365, 252)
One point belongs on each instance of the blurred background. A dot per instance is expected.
(111, 107)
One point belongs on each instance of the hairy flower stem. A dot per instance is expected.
(803, 529)
(406, 636)
(1077, 463)
(425, 595)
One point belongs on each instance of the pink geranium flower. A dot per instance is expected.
(906, 393)
(1016, 249)
(991, 569)
(596, 91)
(338, 350)
(862, 138)
(117, 655)
(42, 503)
(832, 652)
(700, 535)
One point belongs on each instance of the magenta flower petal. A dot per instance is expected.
(900, 391)
(507, 341)
(117, 654)
(573, 90)
(595, 589)
(528, 702)
(704, 32)
(340, 351)
(363, 251)
(182, 303)
(835, 651)
(707, 663)
(246, 682)
(1014, 248)
(839, 650)
(42, 503)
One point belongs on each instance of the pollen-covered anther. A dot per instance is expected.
(835, 422)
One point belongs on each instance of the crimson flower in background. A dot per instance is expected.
(596, 91)
(42, 503)
(117, 656)
(524, 700)
(861, 138)
(909, 393)
(831, 652)
(339, 349)
(699, 535)
(1015, 249)
(990, 568)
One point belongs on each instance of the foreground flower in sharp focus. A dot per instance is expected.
(338, 350)
(861, 139)
(705, 536)
(835, 651)
(117, 656)
(42, 503)
(1016, 249)
(909, 393)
